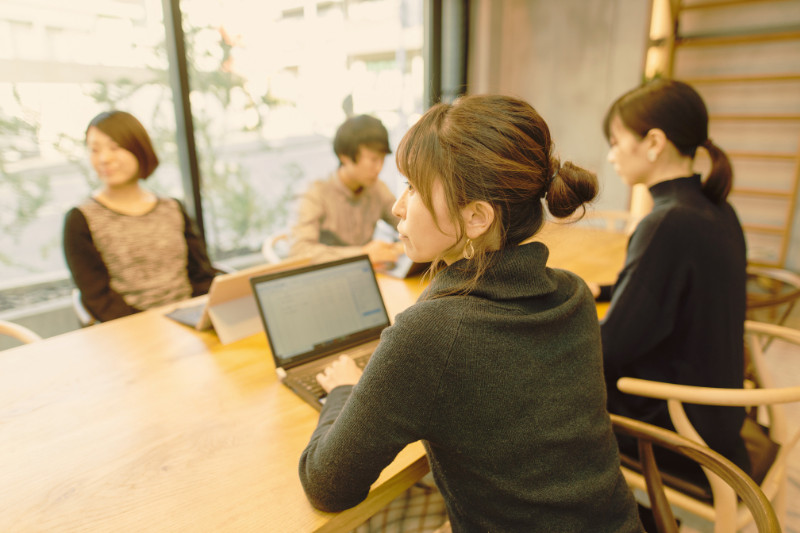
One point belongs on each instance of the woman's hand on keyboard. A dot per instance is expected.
(343, 371)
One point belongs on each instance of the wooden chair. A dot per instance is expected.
(85, 318)
(726, 514)
(276, 247)
(735, 480)
(21, 333)
(771, 293)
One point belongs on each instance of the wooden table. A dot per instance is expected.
(142, 424)
(595, 255)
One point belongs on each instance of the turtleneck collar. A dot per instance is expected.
(514, 272)
(676, 184)
(665, 190)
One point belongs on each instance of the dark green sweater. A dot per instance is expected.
(505, 388)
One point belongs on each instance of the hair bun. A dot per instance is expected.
(575, 187)
(555, 168)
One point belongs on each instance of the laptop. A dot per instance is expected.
(229, 306)
(316, 313)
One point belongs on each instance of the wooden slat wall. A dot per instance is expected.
(743, 56)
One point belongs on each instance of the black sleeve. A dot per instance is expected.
(89, 272)
(646, 295)
(198, 265)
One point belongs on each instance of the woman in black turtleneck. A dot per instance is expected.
(678, 307)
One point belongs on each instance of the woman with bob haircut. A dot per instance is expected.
(498, 367)
(678, 306)
(127, 249)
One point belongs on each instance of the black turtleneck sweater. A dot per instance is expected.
(677, 311)
(504, 387)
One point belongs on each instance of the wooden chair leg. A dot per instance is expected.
(662, 512)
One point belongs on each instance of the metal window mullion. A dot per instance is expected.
(184, 124)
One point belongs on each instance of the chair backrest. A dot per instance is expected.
(276, 247)
(725, 512)
(21, 333)
(771, 293)
(85, 318)
(744, 487)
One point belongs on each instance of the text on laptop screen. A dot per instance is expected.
(308, 310)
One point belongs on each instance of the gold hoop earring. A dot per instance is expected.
(469, 250)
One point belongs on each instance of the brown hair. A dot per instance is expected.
(125, 130)
(495, 149)
(678, 110)
(361, 130)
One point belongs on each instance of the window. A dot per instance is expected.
(270, 83)
(268, 91)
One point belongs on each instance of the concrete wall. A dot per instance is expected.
(570, 59)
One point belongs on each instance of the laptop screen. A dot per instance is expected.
(320, 309)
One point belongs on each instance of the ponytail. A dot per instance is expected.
(720, 179)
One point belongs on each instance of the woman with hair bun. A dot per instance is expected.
(678, 306)
(127, 249)
(498, 367)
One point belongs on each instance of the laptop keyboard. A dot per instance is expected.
(309, 382)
